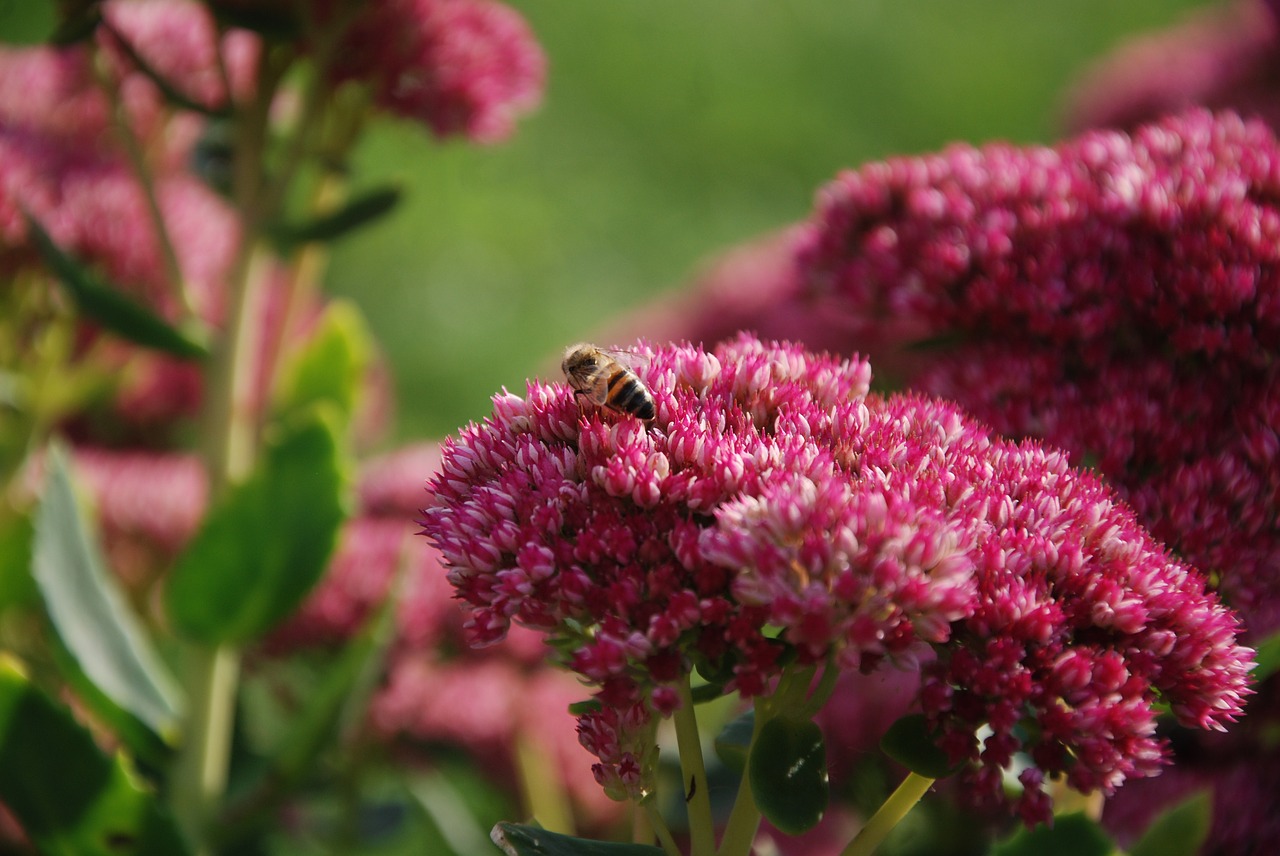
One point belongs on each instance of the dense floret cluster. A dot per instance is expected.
(774, 512)
(1117, 295)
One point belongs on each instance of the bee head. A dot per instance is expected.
(577, 358)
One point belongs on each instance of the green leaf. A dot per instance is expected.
(345, 686)
(80, 19)
(147, 744)
(110, 307)
(518, 840)
(93, 621)
(266, 543)
(1268, 658)
(909, 742)
(358, 212)
(17, 588)
(733, 743)
(1071, 835)
(331, 366)
(27, 22)
(788, 773)
(68, 796)
(1180, 830)
(442, 796)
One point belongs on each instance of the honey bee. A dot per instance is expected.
(606, 381)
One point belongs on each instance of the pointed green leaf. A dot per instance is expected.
(358, 212)
(518, 840)
(89, 613)
(1071, 835)
(579, 708)
(331, 366)
(788, 772)
(262, 548)
(68, 796)
(1180, 830)
(909, 742)
(733, 743)
(1268, 657)
(27, 22)
(112, 308)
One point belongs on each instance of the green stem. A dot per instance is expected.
(895, 808)
(142, 171)
(200, 770)
(316, 98)
(744, 819)
(659, 827)
(792, 696)
(544, 797)
(698, 801)
(200, 776)
(826, 685)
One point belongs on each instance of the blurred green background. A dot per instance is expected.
(670, 130)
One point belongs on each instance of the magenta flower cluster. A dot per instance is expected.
(463, 67)
(1117, 295)
(772, 491)
(1221, 56)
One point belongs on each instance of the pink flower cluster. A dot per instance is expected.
(1116, 295)
(771, 491)
(463, 67)
(1240, 768)
(62, 161)
(1222, 56)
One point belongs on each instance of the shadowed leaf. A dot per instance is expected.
(110, 307)
(68, 796)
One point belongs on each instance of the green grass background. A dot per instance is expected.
(670, 130)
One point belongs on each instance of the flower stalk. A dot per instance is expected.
(889, 815)
(693, 766)
(654, 822)
(744, 817)
(200, 774)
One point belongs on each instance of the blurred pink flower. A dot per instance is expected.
(357, 581)
(149, 505)
(392, 484)
(463, 67)
(501, 703)
(1224, 57)
(771, 491)
(179, 41)
(102, 218)
(50, 92)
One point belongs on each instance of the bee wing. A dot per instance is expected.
(630, 359)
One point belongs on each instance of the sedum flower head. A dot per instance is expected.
(1117, 295)
(773, 512)
(462, 67)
